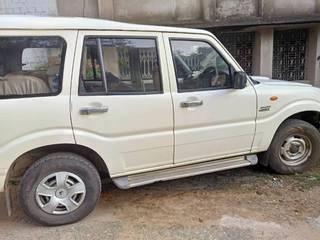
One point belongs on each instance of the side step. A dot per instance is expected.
(184, 171)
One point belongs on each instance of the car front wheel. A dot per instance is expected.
(295, 147)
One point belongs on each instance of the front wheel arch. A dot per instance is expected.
(312, 117)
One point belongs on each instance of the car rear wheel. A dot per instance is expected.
(295, 147)
(60, 188)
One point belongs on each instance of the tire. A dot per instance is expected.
(295, 147)
(77, 176)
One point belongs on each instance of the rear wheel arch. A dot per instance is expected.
(24, 161)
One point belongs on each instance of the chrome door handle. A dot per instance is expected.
(193, 103)
(92, 110)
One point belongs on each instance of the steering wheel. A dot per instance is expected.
(209, 75)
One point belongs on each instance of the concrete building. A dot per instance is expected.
(274, 38)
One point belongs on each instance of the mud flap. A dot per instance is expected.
(8, 201)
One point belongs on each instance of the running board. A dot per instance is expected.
(140, 179)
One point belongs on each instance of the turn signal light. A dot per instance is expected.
(274, 98)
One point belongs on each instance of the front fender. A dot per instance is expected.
(267, 123)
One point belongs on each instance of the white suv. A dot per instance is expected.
(82, 100)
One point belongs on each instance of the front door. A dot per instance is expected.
(121, 101)
(211, 119)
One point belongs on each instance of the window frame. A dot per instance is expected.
(61, 71)
(231, 70)
(106, 93)
(81, 68)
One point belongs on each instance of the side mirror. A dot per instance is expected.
(239, 80)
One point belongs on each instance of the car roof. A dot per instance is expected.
(77, 23)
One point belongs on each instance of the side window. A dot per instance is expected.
(199, 66)
(31, 66)
(130, 66)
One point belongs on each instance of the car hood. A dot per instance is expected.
(273, 82)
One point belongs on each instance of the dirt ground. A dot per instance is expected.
(241, 204)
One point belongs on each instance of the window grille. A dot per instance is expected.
(240, 45)
(289, 54)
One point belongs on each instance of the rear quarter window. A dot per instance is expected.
(31, 66)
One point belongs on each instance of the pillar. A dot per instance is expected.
(263, 53)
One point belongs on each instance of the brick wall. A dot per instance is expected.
(29, 7)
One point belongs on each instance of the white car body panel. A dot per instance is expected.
(23, 129)
(137, 131)
(153, 132)
(292, 98)
(223, 126)
(23, 22)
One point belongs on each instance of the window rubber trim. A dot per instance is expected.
(155, 38)
(175, 68)
(61, 70)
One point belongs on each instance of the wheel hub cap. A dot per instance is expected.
(60, 193)
(295, 150)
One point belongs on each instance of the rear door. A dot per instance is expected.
(121, 101)
(211, 119)
(34, 90)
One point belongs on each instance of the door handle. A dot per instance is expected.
(192, 103)
(92, 110)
